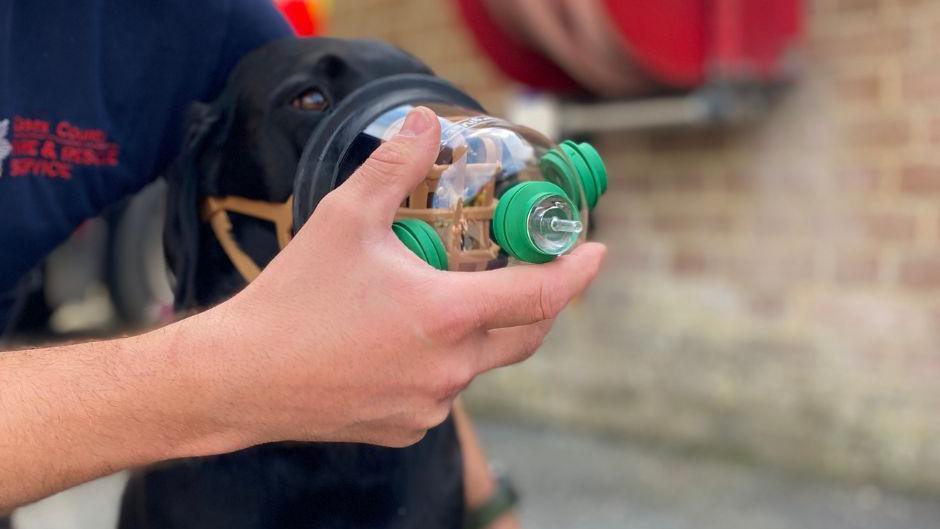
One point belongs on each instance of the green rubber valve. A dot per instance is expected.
(535, 222)
(419, 237)
(588, 170)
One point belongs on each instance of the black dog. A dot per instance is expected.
(247, 143)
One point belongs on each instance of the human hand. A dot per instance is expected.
(348, 336)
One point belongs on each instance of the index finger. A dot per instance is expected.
(522, 295)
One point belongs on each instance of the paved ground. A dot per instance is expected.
(573, 481)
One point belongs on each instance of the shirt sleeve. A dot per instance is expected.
(250, 25)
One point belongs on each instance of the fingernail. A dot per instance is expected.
(417, 122)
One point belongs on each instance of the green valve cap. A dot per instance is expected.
(589, 171)
(536, 222)
(419, 237)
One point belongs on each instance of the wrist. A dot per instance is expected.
(499, 505)
(481, 488)
(191, 386)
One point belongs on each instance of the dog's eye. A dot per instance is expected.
(312, 99)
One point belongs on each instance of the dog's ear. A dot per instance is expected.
(206, 130)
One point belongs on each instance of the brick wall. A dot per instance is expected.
(773, 291)
(431, 30)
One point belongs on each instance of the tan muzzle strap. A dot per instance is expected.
(215, 211)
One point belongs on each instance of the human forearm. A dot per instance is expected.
(72, 413)
(346, 336)
(479, 481)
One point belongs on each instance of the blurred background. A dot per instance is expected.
(763, 348)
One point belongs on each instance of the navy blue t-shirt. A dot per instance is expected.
(92, 96)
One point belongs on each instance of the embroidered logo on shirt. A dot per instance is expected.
(41, 149)
(5, 147)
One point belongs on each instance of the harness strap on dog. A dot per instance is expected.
(215, 212)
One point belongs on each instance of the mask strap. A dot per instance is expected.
(215, 212)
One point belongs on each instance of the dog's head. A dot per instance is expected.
(247, 144)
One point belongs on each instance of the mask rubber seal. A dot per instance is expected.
(324, 164)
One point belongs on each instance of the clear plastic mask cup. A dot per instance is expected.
(466, 200)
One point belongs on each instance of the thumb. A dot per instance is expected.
(395, 168)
